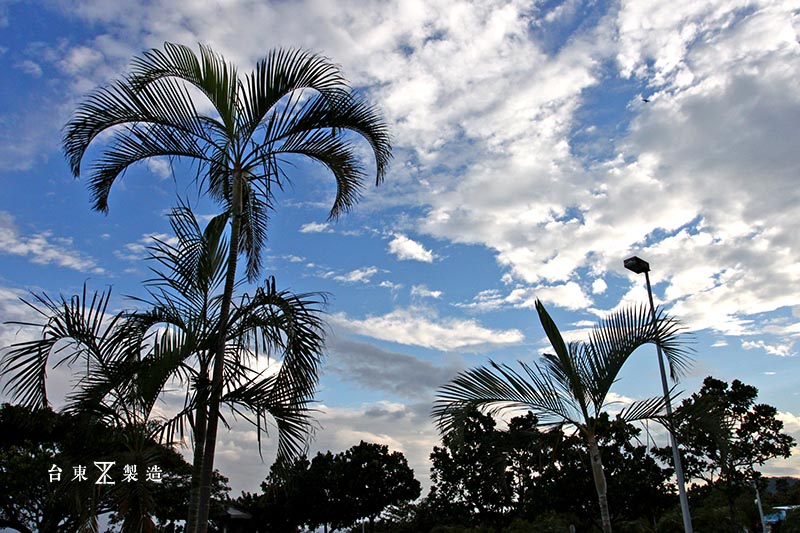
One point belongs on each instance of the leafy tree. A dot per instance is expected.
(31, 445)
(359, 483)
(373, 479)
(470, 474)
(723, 434)
(257, 121)
(638, 486)
(324, 484)
(531, 475)
(131, 356)
(283, 505)
(570, 386)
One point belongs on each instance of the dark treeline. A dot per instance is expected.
(525, 478)
(484, 478)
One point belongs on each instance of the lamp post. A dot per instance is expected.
(639, 266)
(760, 508)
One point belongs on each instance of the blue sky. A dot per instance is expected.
(526, 166)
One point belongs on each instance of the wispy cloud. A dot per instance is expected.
(422, 291)
(30, 67)
(315, 227)
(136, 251)
(565, 295)
(779, 349)
(43, 248)
(390, 372)
(419, 326)
(359, 275)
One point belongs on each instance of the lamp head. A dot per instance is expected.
(637, 265)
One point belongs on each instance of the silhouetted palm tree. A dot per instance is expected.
(571, 386)
(239, 148)
(131, 357)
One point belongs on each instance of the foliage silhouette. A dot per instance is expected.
(132, 356)
(723, 434)
(568, 387)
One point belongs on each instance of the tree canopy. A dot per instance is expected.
(723, 435)
(357, 484)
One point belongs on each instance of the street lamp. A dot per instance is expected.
(639, 266)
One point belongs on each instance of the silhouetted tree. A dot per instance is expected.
(373, 479)
(332, 491)
(542, 476)
(723, 434)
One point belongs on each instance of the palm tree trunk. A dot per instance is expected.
(599, 483)
(219, 356)
(201, 419)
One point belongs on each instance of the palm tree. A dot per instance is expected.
(239, 149)
(130, 357)
(571, 386)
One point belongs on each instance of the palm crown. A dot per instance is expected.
(255, 123)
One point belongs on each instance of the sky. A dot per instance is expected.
(527, 165)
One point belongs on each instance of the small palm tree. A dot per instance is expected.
(131, 357)
(291, 103)
(571, 386)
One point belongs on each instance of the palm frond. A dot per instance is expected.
(648, 409)
(499, 388)
(270, 396)
(256, 205)
(612, 342)
(216, 78)
(77, 329)
(281, 73)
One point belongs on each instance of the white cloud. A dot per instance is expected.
(30, 67)
(392, 286)
(493, 134)
(565, 295)
(43, 248)
(423, 291)
(781, 349)
(315, 227)
(408, 249)
(599, 286)
(360, 275)
(161, 167)
(418, 326)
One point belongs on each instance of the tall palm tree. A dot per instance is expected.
(239, 149)
(570, 386)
